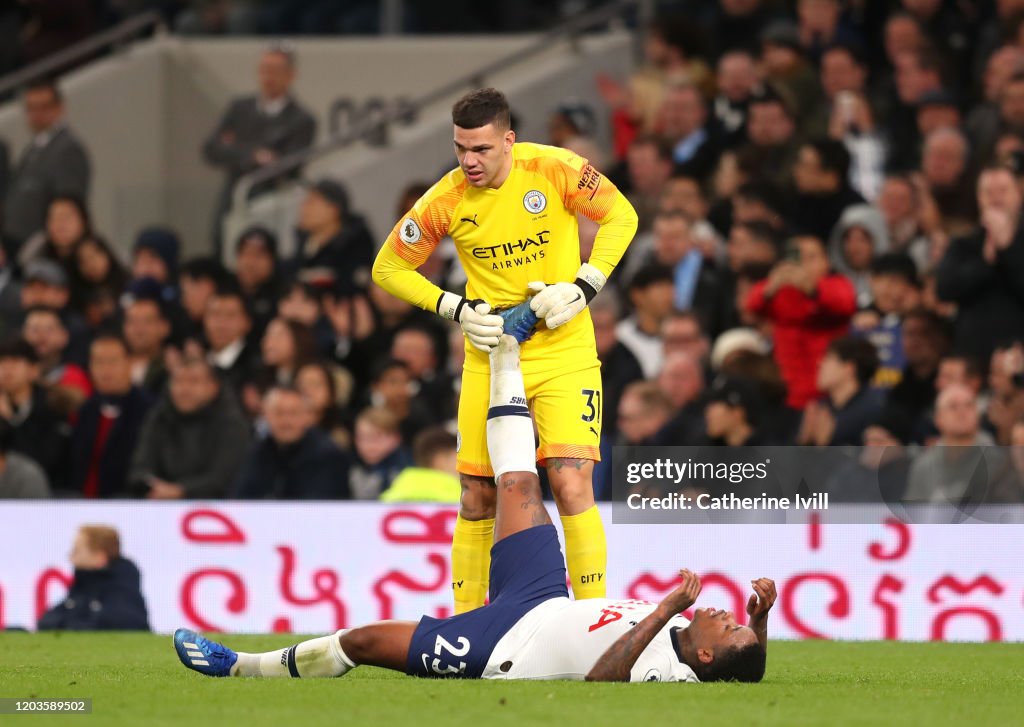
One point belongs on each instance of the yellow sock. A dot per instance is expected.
(471, 562)
(586, 553)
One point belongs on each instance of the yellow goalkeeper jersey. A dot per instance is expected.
(523, 231)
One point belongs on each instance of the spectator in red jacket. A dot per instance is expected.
(808, 306)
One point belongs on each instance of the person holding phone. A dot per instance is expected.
(808, 306)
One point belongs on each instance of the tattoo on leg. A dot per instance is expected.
(540, 515)
(468, 480)
(559, 462)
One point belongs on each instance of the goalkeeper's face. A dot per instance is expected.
(485, 154)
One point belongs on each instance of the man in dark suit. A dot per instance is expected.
(108, 423)
(53, 164)
(226, 325)
(258, 130)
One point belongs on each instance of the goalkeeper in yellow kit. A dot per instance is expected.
(511, 209)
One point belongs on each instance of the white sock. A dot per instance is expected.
(321, 657)
(510, 442)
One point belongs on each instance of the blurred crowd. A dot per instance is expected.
(830, 253)
(31, 30)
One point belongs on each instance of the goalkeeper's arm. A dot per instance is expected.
(399, 277)
(559, 303)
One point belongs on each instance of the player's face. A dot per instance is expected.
(717, 631)
(485, 154)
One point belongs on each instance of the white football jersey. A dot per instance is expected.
(563, 639)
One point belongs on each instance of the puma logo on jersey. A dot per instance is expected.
(594, 431)
(471, 221)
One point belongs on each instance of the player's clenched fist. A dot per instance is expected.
(482, 328)
(685, 594)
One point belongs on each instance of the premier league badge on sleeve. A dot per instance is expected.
(535, 201)
(410, 232)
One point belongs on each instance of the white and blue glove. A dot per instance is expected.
(482, 328)
(559, 303)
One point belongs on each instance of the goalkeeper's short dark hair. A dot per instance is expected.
(740, 664)
(481, 107)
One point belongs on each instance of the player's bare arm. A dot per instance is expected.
(616, 663)
(758, 606)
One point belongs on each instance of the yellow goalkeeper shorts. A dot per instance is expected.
(566, 409)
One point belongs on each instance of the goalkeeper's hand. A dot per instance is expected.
(559, 303)
(482, 328)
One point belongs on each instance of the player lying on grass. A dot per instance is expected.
(530, 629)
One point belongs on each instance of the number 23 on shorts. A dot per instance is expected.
(442, 644)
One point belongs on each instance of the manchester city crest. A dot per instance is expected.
(535, 201)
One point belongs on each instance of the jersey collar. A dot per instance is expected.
(675, 643)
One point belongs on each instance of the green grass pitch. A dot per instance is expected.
(137, 680)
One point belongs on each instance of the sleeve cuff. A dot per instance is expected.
(590, 280)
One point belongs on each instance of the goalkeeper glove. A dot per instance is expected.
(482, 328)
(559, 303)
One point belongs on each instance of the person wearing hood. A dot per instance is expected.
(857, 239)
(155, 255)
(336, 246)
(105, 592)
(154, 268)
(193, 442)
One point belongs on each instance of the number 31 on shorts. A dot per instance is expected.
(591, 406)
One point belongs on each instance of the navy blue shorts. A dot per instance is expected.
(526, 569)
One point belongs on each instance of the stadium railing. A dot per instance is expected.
(374, 124)
(134, 28)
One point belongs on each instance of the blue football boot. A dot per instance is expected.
(202, 655)
(520, 321)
